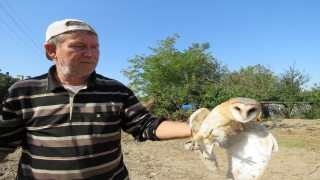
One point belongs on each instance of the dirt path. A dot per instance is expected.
(168, 160)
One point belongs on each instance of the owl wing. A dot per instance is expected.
(205, 152)
(194, 122)
(208, 157)
(249, 151)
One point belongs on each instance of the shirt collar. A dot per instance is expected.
(53, 84)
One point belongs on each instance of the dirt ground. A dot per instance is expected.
(168, 160)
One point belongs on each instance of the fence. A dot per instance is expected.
(280, 110)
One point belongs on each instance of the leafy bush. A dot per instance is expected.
(5, 82)
(313, 96)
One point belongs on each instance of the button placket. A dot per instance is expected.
(76, 113)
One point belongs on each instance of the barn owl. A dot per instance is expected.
(231, 125)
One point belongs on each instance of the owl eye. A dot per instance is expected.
(251, 110)
(237, 108)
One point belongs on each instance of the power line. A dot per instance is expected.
(20, 38)
(19, 27)
(22, 21)
(19, 44)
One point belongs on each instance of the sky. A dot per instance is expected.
(277, 34)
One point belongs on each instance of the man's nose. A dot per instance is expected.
(89, 52)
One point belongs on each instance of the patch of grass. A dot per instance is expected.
(293, 143)
(272, 120)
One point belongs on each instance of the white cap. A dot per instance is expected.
(66, 25)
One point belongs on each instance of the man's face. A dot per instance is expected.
(78, 54)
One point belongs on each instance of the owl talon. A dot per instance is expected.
(191, 148)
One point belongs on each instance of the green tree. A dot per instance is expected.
(289, 87)
(312, 96)
(255, 82)
(216, 94)
(171, 77)
(5, 82)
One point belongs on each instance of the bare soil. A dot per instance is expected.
(164, 160)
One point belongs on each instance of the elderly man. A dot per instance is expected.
(69, 120)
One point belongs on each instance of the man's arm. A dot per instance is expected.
(3, 155)
(172, 130)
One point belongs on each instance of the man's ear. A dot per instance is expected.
(51, 50)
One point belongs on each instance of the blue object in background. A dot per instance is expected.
(189, 106)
